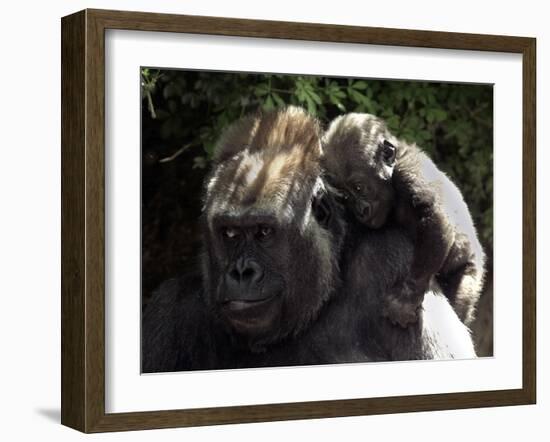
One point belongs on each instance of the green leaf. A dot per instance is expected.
(261, 90)
(311, 106)
(170, 90)
(361, 85)
(315, 97)
(440, 115)
(172, 106)
(268, 103)
(280, 102)
(337, 103)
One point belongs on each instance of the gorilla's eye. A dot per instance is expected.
(345, 195)
(358, 187)
(265, 231)
(388, 152)
(230, 232)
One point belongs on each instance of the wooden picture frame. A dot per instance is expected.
(83, 220)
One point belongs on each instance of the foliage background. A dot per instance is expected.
(184, 113)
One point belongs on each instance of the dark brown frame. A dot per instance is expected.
(83, 216)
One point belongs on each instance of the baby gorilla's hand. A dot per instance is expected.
(402, 304)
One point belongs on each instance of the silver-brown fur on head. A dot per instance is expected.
(265, 162)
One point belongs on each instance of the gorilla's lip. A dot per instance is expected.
(237, 305)
(251, 316)
(372, 222)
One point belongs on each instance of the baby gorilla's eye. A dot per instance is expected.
(388, 152)
(358, 187)
(265, 231)
(230, 232)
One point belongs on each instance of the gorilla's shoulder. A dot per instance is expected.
(186, 289)
(171, 325)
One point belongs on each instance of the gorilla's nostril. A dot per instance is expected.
(246, 271)
(234, 274)
(364, 209)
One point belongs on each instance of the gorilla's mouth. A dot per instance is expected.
(244, 304)
(252, 316)
(375, 222)
(372, 221)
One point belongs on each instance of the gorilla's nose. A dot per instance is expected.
(246, 272)
(364, 209)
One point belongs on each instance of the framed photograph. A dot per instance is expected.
(269, 220)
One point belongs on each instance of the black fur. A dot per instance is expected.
(385, 181)
(320, 308)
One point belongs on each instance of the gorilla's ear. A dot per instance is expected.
(321, 208)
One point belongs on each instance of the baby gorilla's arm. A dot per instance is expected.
(419, 209)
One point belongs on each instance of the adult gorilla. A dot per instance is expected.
(284, 280)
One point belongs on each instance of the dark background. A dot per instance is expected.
(184, 112)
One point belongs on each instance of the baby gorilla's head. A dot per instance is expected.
(359, 159)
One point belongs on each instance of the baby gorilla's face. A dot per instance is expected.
(368, 191)
(359, 160)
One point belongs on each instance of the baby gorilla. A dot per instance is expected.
(383, 181)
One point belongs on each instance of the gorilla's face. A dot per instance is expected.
(368, 190)
(360, 159)
(252, 281)
(271, 253)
